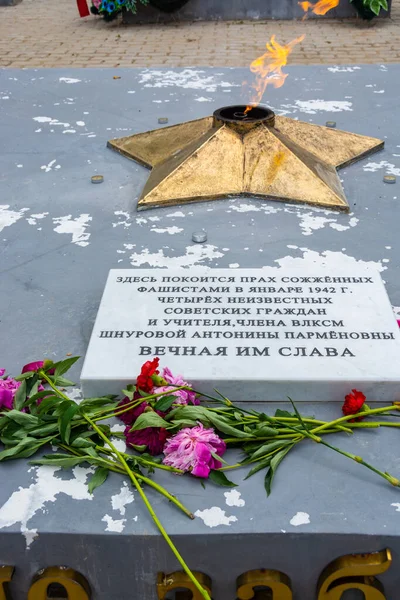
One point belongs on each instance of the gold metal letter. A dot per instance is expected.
(355, 572)
(74, 583)
(277, 582)
(179, 580)
(6, 574)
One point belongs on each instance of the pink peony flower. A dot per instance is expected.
(190, 450)
(96, 3)
(35, 366)
(8, 388)
(152, 437)
(182, 396)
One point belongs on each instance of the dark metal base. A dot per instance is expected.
(253, 10)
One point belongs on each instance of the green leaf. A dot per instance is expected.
(129, 392)
(262, 464)
(298, 415)
(283, 413)
(63, 366)
(24, 448)
(220, 478)
(238, 416)
(20, 396)
(66, 462)
(62, 382)
(81, 442)
(62, 407)
(31, 390)
(180, 423)
(164, 403)
(375, 6)
(48, 403)
(221, 425)
(149, 419)
(65, 422)
(265, 431)
(384, 4)
(26, 375)
(197, 413)
(275, 462)
(90, 451)
(138, 448)
(21, 418)
(218, 458)
(99, 402)
(270, 447)
(97, 479)
(44, 429)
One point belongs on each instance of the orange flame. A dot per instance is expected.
(319, 8)
(268, 68)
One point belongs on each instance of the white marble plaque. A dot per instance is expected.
(254, 334)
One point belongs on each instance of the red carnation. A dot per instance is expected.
(144, 381)
(353, 403)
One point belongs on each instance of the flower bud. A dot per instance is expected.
(394, 481)
(158, 380)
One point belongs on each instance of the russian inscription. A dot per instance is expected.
(258, 334)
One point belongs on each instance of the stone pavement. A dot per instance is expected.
(49, 33)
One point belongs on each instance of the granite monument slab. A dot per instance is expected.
(254, 334)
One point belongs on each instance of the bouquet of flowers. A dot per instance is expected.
(169, 426)
(108, 9)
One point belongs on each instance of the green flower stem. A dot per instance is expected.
(156, 520)
(112, 466)
(358, 459)
(143, 461)
(367, 413)
(361, 461)
(116, 413)
(259, 458)
(271, 438)
(130, 405)
(161, 490)
(59, 393)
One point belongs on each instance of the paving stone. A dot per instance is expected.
(32, 29)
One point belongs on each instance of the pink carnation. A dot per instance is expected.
(182, 396)
(8, 388)
(190, 450)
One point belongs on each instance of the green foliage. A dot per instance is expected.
(275, 462)
(164, 403)
(97, 479)
(374, 6)
(149, 419)
(220, 478)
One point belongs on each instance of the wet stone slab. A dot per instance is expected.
(257, 334)
(61, 235)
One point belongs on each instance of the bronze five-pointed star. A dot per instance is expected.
(271, 157)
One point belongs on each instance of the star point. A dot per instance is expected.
(275, 158)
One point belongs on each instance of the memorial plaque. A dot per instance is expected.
(254, 334)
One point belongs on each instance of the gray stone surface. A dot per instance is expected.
(212, 10)
(60, 235)
(257, 334)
